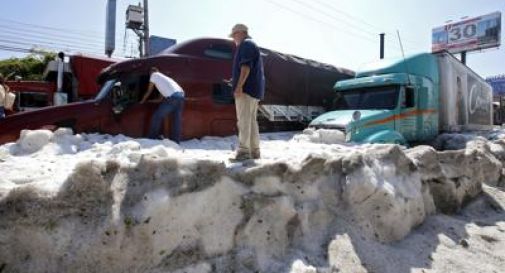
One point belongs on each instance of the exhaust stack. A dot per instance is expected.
(381, 54)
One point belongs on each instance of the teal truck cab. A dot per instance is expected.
(409, 100)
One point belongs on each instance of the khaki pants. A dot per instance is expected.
(248, 131)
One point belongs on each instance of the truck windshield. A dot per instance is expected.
(384, 97)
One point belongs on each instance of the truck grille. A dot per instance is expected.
(329, 127)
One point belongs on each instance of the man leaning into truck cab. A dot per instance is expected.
(248, 83)
(172, 102)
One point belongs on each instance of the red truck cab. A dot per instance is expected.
(199, 66)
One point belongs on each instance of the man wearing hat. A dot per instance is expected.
(248, 83)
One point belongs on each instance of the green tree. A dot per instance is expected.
(30, 67)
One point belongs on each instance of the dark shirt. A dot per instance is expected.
(248, 54)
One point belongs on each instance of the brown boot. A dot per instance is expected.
(256, 154)
(240, 156)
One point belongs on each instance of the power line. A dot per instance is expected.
(69, 38)
(42, 50)
(332, 16)
(42, 38)
(12, 43)
(357, 19)
(366, 32)
(57, 39)
(26, 31)
(318, 20)
(15, 49)
(61, 35)
(81, 32)
(350, 24)
(336, 27)
(348, 15)
(44, 42)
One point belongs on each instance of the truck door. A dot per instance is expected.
(408, 117)
(126, 115)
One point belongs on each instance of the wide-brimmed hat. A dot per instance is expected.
(239, 27)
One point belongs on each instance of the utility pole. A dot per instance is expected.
(146, 28)
(141, 45)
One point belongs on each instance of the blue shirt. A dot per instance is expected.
(248, 54)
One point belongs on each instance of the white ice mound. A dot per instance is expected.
(163, 214)
(32, 141)
(61, 141)
(323, 136)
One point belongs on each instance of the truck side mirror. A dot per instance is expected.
(356, 115)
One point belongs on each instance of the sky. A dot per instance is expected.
(344, 33)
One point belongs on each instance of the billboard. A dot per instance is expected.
(158, 44)
(498, 84)
(467, 35)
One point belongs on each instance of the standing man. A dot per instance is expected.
(248, 83)
(173, 101)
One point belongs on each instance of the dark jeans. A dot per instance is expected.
(2, 112)
(174, 104)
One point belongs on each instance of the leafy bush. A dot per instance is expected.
(30, 67)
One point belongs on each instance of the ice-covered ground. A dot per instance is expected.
(46, 159)
(100, 203)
